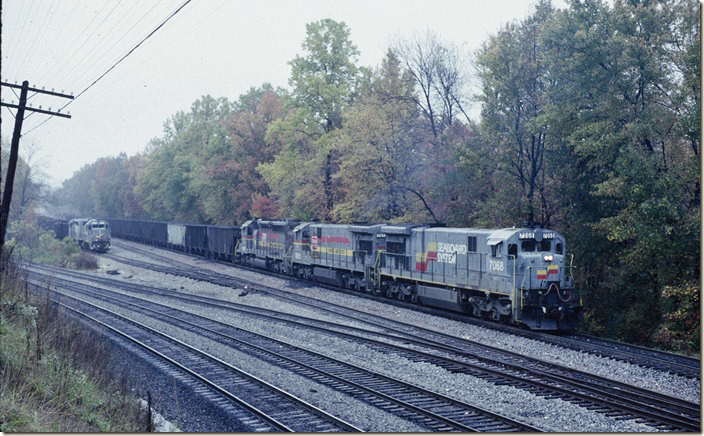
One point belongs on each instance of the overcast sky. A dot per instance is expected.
(216, 47)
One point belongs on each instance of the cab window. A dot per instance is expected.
(513, 250)
(472, 244)
(365, 246)
(545, 245)
(558, 248)
(528, 245)
(496, 250)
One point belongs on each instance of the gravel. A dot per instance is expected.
(550, 415)
(648, 378)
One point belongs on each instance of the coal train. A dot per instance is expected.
(522, 276)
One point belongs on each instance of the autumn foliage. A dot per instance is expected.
(589, 124)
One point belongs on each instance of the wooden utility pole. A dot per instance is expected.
(14, 148)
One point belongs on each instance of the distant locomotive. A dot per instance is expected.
(90, 234)
(517, 275)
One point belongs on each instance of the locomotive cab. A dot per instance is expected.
(546, 297)
(97, 235)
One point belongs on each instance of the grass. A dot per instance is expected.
(54, 374)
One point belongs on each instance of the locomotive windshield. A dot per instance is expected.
(530, 245)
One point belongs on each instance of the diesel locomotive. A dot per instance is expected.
(90, 234)
(522, 276)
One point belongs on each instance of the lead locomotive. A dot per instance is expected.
(90, 234)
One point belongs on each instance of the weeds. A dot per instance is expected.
(85, 261)
(54, 373)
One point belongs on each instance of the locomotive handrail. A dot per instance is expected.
(377, 268)
(288, 256)
(526, 274)
(514, 272)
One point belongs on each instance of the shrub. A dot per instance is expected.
(85, 261)
(55, 374)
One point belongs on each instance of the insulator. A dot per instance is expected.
(40, 106)
(49, 107)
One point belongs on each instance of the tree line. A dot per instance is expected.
(589, 125)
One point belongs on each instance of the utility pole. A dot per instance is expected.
(14, 148)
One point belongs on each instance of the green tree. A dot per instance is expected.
(513, 71)
(323, 80)
(622, 107)
(177, 182)
(381, 154)
(324, 83)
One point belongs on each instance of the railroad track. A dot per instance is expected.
(432, 410)
(548, 380)
(267, 408)
(648, 358)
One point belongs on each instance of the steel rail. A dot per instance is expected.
(318, 417)
(613, 399)
(475, 418)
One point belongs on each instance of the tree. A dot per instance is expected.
(247, 127)
(177, 183)
(622, 106)
(324, 83)
(513, 72)
(437, 69)
(29, 188)
(381, 152)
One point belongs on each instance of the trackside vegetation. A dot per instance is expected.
(28, 242)
(54, 375)
(588, 123)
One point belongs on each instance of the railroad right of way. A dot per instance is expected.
(652, 410)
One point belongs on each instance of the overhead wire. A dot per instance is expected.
(105, 52)
(39, 33)
(100, 42)
(68, 61)
(55, 73)
(161, 49)
(13, 35)
(20, 36)
(60, 31)
(173, 14)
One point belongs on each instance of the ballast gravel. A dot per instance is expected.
(550, 415)
(647, 378)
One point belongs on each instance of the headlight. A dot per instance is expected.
(547, 258)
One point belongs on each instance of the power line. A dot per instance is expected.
(105, 36)
(91, 35)
(60, 31)
(161, 49)
(78, 37)
(20, 36)
(13, 35)
(40, 33)
(105, 52)
(118, 62)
